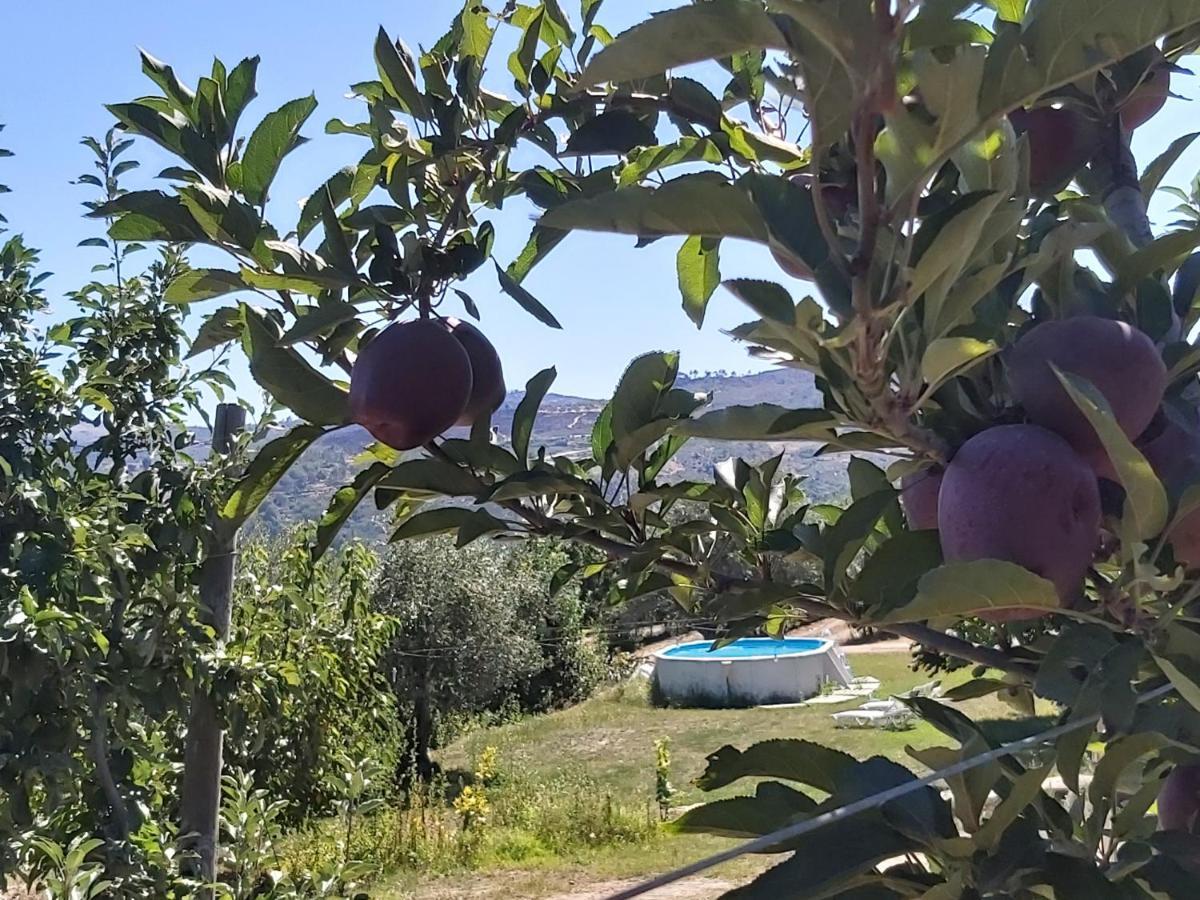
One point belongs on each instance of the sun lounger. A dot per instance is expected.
(877, 714)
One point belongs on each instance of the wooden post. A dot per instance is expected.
(200, 795)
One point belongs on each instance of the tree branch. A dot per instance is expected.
(1117, 170)
(99, 754)
(809, 604)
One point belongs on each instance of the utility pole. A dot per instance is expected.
(200, 796)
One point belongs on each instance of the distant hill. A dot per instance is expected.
(564, 425)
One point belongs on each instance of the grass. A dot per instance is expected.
(604, 749)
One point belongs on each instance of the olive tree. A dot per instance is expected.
(974, 284)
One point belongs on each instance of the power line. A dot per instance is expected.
(874, 801)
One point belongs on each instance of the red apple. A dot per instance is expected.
(1148, 98)
(1020, 493)
(410, 383)
(487, 373)
(1061, 141)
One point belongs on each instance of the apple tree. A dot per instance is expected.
(966, 266)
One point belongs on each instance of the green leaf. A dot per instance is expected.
(240, 89)
(337, 188)
(423, 476)
(202, 284)
(336, 246)
(704, 204)
(890, 576)
(524, 299)
(767, 299)
(846, 537)
(221, 327)
(970, 789)
(288, 377)
(698, 267)
(541, 242)
(395, 65)
(645, 405)
(945, 255)
(1155, 172)
(180, 97)
(1179, 658)
(432, 521)
(276, 136)
(764, 422)
(520, 61)
(1009, 10)
(616, 131)
(539, 484)
(947, 357)
(343, 504)
(1146, 505)
(149, 216)
(789, 213)
(270, 464)
(687, 149)
(794, 760)
(562, 24)
(966, 588)
(678, 37)
(1166, 252)
(479, 524)
(1025, 790)
(314, 284)
(1118, 756)
(1062, 41)
(527, 410)
(312, 321)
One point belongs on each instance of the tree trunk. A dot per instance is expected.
(200, 796)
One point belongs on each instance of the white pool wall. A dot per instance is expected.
(788, 677)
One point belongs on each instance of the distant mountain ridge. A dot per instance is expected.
(565, 425)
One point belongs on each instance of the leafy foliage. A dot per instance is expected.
(913, 208)
(478, 630)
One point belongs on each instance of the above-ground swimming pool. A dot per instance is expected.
(748, 672)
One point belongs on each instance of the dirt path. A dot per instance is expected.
(688, 889)
(560, 886)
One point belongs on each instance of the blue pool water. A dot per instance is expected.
(745, 647)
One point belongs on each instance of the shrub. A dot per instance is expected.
(478, 630)
(304, 665)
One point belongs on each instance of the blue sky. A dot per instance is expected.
(614, 302)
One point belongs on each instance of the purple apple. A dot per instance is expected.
(1020, 493)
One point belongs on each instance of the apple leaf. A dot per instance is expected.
(288, 377)
(947, 357)
(704, 204)
(1157, 170)
(1146, 505)
(697, 265)
(432, 521)
(966, 588)
(679, 37)
(527, 410)
(396, 71)
(275, 137)
(203, 284)
(764, 422)
(524, 299)
(269, 465)
(343, 504)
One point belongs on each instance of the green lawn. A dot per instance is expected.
(608, 744)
